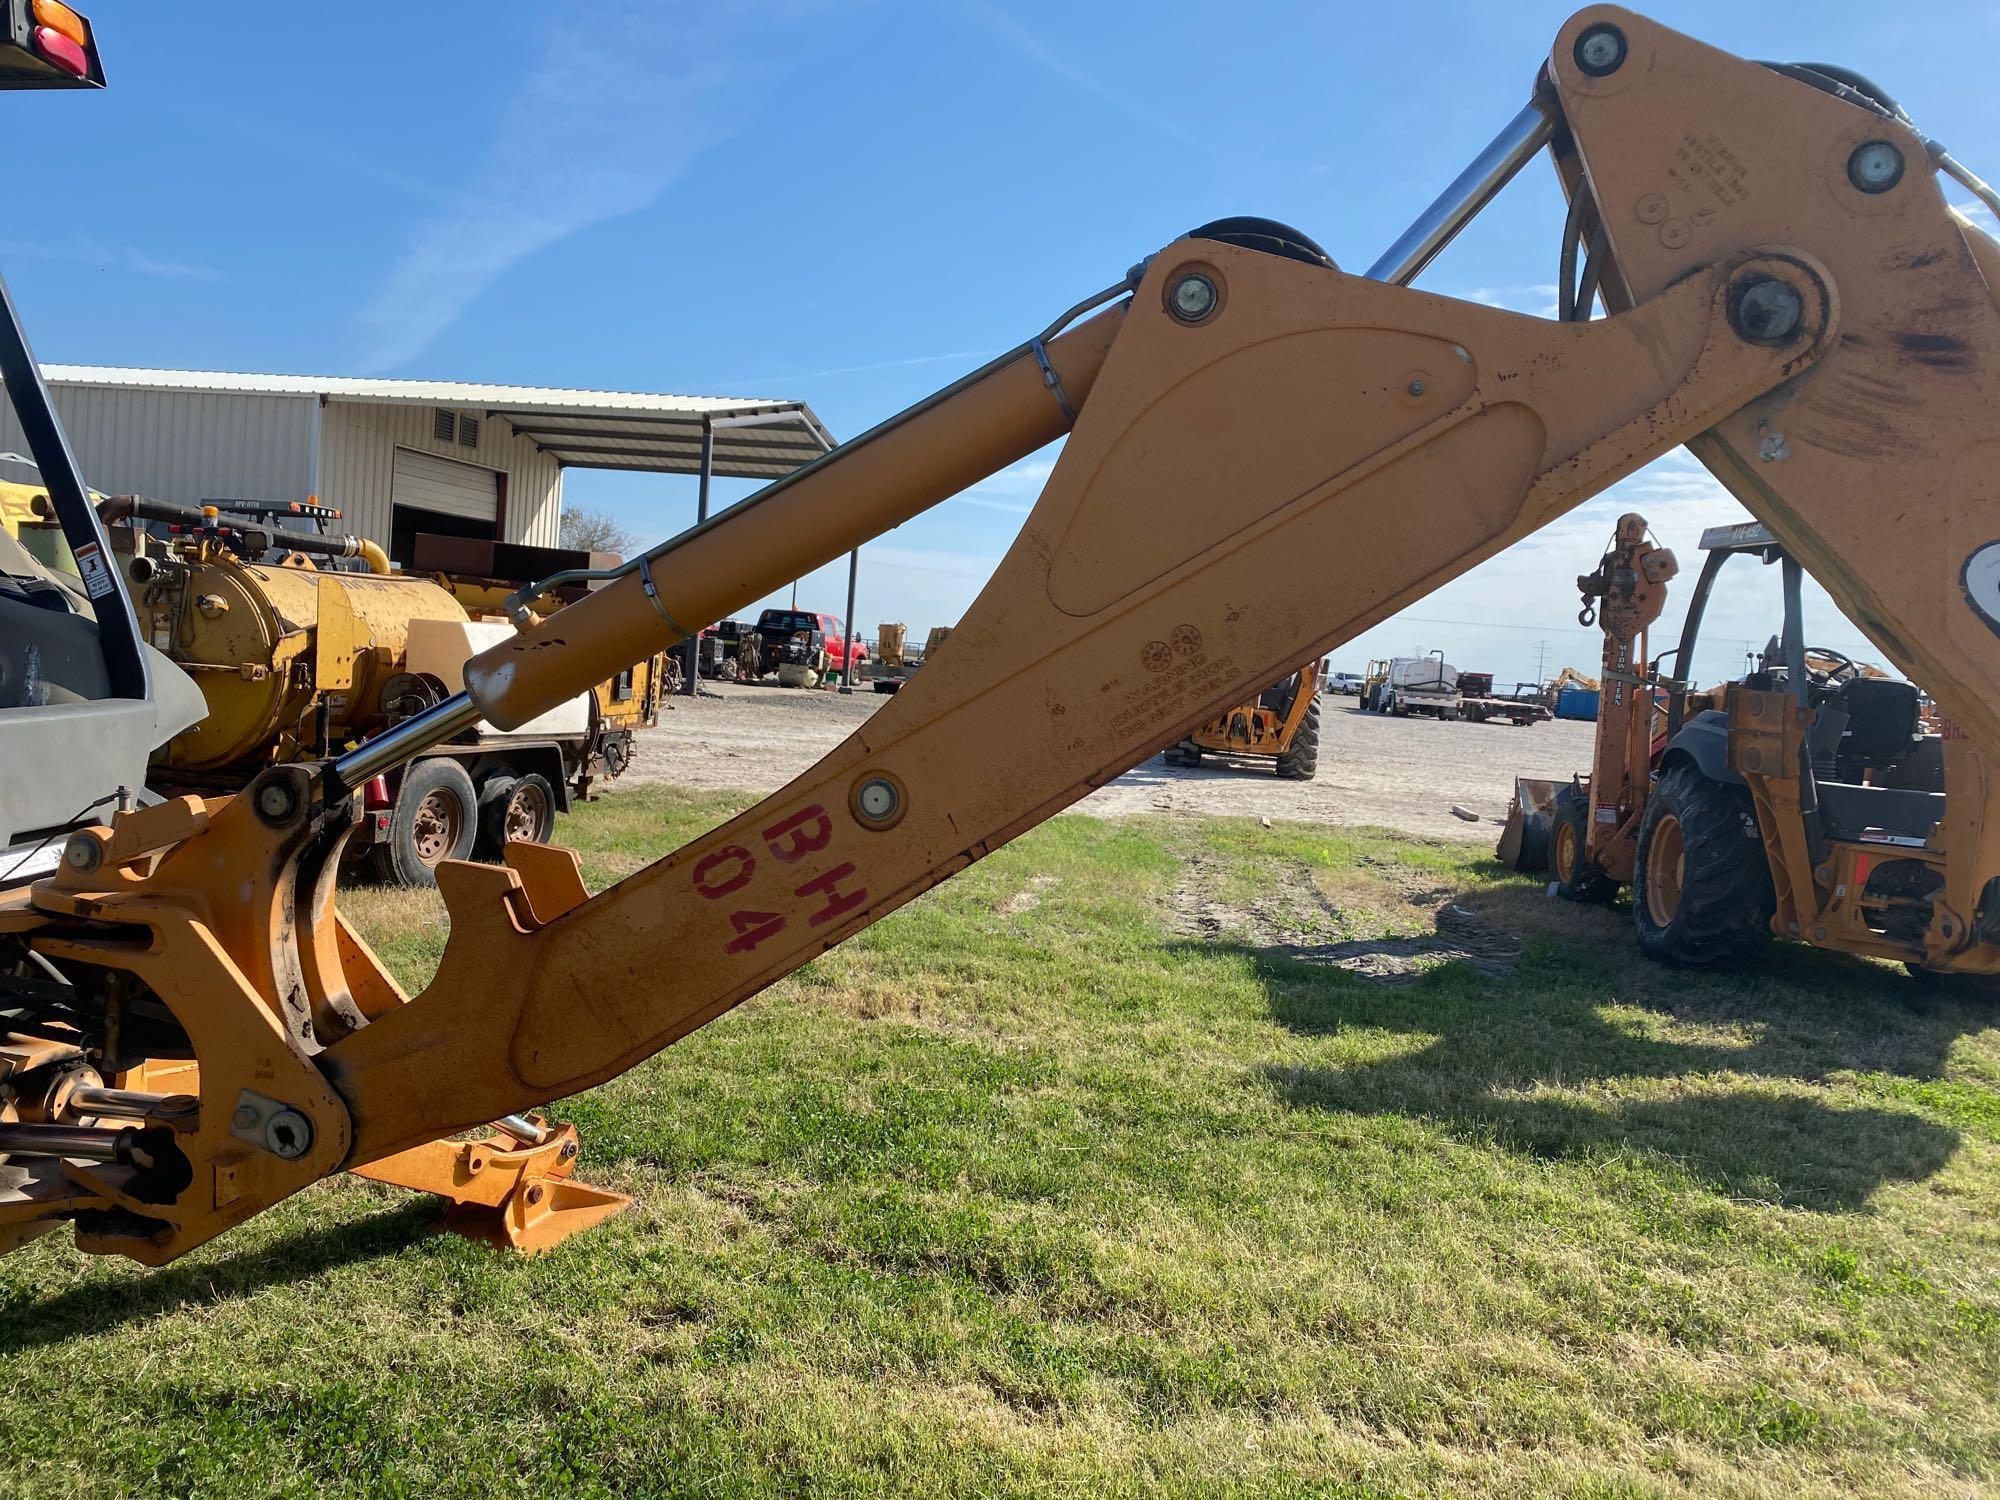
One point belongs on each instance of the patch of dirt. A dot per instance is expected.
(1029, 897)
(1293, 914)
(1291, 922)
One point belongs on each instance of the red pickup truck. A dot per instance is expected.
(779, 624)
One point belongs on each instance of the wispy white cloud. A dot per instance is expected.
(1030, 46)
(126, 259)
(1980, 215)
(1013, 490)
(1537, 298)
(279, 137)
(936, 561)
(610, 114)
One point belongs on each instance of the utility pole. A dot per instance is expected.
(1541, 662)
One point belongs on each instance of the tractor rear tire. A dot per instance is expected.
(1701, 882)
(436, 818)
(1299, 761)
(1577, 876)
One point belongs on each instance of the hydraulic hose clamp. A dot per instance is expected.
(653, 593)
(1052, 380)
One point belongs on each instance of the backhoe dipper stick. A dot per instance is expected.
(1175, 560)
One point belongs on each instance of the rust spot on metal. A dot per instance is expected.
(1941, 351)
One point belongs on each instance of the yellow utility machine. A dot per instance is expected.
(297, 657)
(1777, 259)
(1281, 725)
(1723, 842)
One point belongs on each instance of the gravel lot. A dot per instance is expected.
(1393, 773)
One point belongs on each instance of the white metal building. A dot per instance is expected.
(397, 457)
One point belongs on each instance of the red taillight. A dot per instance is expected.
(61, 51)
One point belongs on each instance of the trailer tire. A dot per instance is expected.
(1577, 876)
(436, 818)
(1299, 761)
(1701, 882)
(514, 807)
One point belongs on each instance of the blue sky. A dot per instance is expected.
(844, 202)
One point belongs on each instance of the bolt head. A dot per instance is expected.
(878, 799)
(1416, 388)
(82, 854)
(1767, 311)
(244, 1118)
(288, 1134)
(1193, 297)
(1875, 166)
(1600, 51)
(276, 800)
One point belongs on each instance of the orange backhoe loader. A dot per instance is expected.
(1788, 293)
(1585, 831)
(1281, 725)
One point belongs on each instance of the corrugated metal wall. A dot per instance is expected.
(357, 455)
(189, 446)
(182, 446)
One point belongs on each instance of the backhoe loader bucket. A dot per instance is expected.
(1524, 842)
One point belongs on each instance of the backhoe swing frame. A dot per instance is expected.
(1239, 416)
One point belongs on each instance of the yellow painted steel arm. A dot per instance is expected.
(1187, 548)
(1188, 545)
(1230, 454)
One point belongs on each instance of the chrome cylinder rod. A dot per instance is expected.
(522, 1129)
(1460, 203)
(130, 1104)
(76, 1142)
(392, 747)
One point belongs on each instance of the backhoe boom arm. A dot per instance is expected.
(1790, 296)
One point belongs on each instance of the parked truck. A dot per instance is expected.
(1405, 685)
(804, 647)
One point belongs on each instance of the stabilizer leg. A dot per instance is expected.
(514, 1194)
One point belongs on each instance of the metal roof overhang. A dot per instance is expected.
(633, 430)
(750, 442)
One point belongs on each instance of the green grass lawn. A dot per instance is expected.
(1151, 1156)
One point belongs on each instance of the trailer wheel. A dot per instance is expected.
(1701, 882)
(519, 808)
(1299, 761)
(1578, 877)
(436, 818)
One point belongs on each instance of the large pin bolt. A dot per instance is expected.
(878, 800)
(1192, 298)
(1875, 166)
(1600, 51)
(277, 800)
(288, 1134)
(1767, 310)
